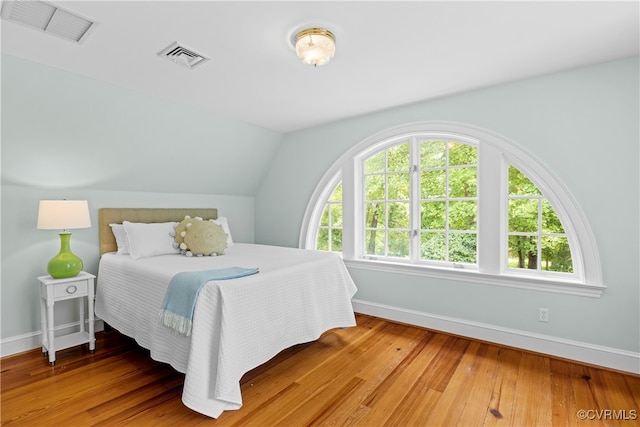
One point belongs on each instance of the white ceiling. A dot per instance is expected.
(388, 53)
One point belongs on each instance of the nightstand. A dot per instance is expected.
(54, 290)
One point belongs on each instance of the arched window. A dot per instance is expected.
(453, 201)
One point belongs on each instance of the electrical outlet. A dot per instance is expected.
(543, 314)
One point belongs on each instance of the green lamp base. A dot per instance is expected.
(66, 263)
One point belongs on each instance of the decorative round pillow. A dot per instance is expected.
(181, 229)
(204, 238)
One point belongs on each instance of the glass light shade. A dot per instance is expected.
(315, 46)
(65, 215)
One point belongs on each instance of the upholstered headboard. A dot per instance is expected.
(108, 216)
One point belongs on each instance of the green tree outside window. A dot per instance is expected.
(446, 211)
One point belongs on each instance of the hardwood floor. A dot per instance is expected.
(378, 373)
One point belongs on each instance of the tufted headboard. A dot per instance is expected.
(108, 216)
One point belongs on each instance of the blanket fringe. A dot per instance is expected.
(178, 323)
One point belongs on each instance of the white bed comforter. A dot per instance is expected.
(238, 324)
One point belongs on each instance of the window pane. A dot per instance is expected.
(433, 184)
(374, 213)
(462, 215)
(399, 186)
(550, 221)
(324, 219)
(432, 215)
(462, 154)
(375, 164)
(462, 247)
(336, 240)
(336, 215)
(556, 254)
(374, 187)
(523, 252)
(374, 242)
(399, 243)
(463, 182)
(322, 242)
(330, 223)
(398, 158)
(432, 154)
(336, 196)
(432, 246)
(399, 215)
(523, 215)
(520, 185)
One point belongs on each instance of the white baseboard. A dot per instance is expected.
(607, 357)
(26, 342)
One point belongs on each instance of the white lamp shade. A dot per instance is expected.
(63, 214)
(315, 46)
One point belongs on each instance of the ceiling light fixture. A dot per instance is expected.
(315, 46)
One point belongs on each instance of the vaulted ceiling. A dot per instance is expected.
(388, 53)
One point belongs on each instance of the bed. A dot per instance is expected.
(237, 324)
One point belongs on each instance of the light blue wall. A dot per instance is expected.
(66, 136)
(582, 124)
(61, 130)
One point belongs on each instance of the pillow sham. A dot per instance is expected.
(148, 240)
(121, 238)
(222, 222)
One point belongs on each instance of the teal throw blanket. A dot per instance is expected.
(180, 299)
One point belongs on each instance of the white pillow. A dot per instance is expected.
(121, 238)
(148, 240)
(222, 222)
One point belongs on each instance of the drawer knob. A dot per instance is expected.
(72, 289)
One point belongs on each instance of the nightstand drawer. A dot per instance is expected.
(70, 290)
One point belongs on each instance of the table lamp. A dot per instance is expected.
(64, 215)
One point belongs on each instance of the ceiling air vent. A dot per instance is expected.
(182, 55)
(48, 18)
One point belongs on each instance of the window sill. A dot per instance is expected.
(543, 284)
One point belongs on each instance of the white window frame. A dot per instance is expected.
(495, 153)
